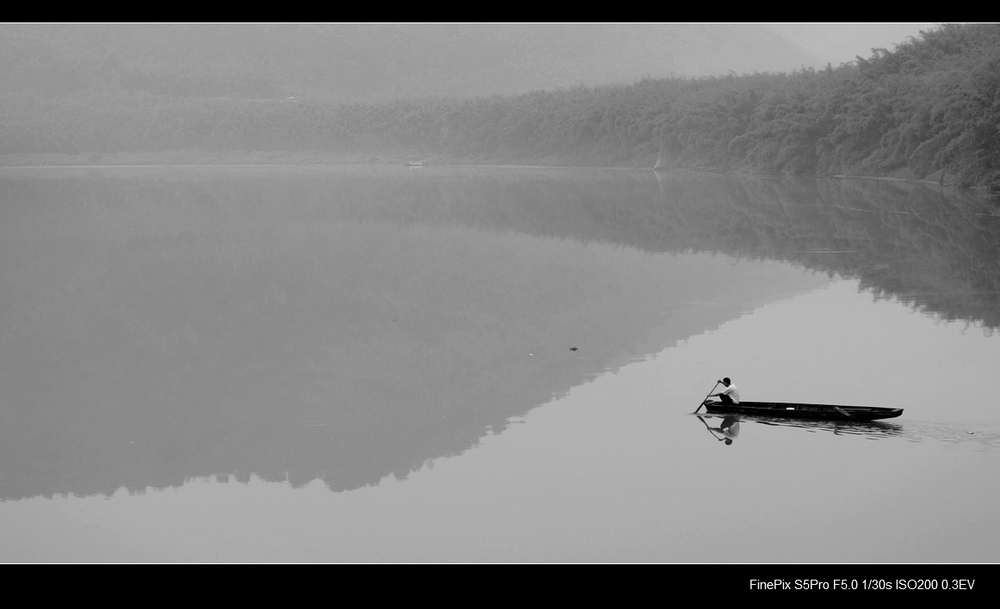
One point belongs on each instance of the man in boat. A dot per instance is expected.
(730, 395)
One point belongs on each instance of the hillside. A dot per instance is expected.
(928, 109)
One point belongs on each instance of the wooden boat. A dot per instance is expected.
(789, 410)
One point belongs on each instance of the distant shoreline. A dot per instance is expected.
(197, 158)
(186, 157)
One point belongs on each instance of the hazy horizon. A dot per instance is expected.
(838, 43)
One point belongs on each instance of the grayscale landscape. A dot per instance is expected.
(455, 293)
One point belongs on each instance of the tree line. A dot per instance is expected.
(928, 109)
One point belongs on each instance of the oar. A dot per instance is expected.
(706, 397)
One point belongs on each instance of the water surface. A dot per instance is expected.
(461, 364)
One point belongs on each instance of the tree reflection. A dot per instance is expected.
(351, 324)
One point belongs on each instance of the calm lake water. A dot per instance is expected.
(470, 364)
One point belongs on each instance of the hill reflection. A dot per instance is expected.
(162, 325)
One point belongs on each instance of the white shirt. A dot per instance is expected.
(732, 392)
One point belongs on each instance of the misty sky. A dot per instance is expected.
(837, 43)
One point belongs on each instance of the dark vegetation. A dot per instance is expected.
(928, 109)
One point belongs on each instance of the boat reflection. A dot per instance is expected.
(729, 427)
(727, 431)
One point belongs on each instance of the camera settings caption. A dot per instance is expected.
(869, 584)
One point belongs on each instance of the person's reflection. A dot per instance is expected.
(727, 431)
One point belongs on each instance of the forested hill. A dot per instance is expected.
(374, 62)
(928, 109)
